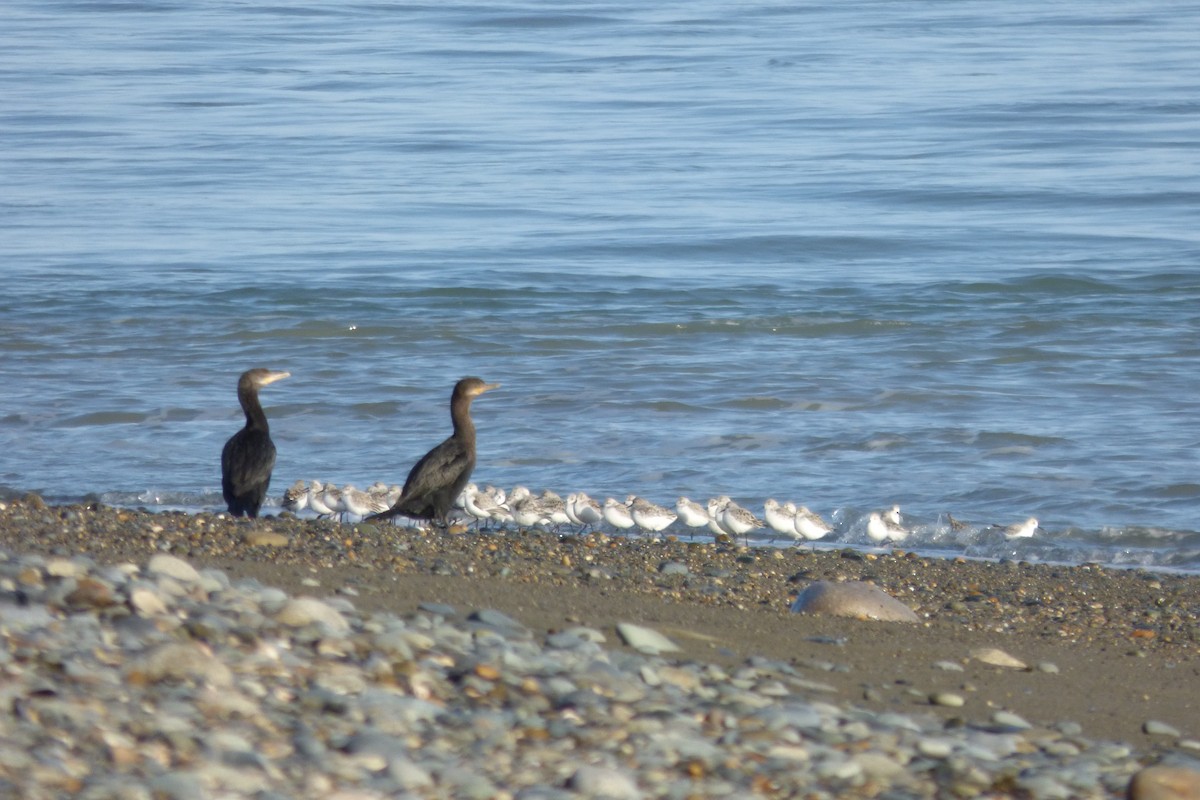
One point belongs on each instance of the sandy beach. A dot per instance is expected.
(1108, 650)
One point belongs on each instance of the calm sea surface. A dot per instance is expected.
(940, 254)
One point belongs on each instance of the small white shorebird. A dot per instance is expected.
(740, 521)
(569, 507)
(332, 498)
(528, 511)
(780, 517)
(892, 515)
(555, 508)
(493, 500)
(650, 517)
(360, 503)
(295, 497)
(316, 499)
(585, 510)
(691, 513)
(472, 500)
(881, 528)
(617, 514)
(716, 515)
(810, 525)
(1021, 530)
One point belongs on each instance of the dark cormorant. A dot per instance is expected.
(249, 455)
(436, 480)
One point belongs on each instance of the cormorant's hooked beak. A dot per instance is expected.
(271, 377)
(487, 387)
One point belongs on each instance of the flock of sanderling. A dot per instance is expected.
(720, 515)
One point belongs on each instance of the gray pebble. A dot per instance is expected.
(645, 640)
(440, 609)
(604, 783)
(1009, 721)
(172, 567)
(948, 699)
(219, 696)
(1153, 727)
(852, 599)
(300, 612)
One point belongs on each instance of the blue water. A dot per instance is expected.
(945, 255)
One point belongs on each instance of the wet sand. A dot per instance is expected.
(1107, 649)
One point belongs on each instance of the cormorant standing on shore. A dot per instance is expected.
(437, 479)
(249, 455)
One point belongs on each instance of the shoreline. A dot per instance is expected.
(1108, 650)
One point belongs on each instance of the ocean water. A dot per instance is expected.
(945, 255)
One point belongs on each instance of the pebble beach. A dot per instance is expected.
(174, 655)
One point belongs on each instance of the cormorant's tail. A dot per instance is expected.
(391, 512)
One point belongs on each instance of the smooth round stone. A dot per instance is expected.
(266, 539)
(839, 771)
(178, 786)
(852, 599)
(565, 640)
(172, 567)
(997, 658)
(948, 699)
(605, 782)
(408, 775)
(440, 609)
(1044, 787)
(879, 766)
(935, 748)
(1153, 727)
(146, 602)
(673, 568)
(499, 622)
(182, 661)
(63, 568)
(300, 612)
(1165, 782)
(1007, 719)
(271, 600)
(213, 580)
(789, 752)
(645, 640)
(588, 634)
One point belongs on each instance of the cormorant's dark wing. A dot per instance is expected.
(433, 477)
(246, 465)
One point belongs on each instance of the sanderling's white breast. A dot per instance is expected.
(810, 525)
(740, 521)
(617, 514)
(295, 497)
(716, 514)
(360, 503)
(316, 499)
(691, 513)
(587, 510)
(650, 517)
(332, 499)
(881, 529)
(780, 517)
(1022, 530)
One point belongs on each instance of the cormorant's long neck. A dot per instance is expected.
(256, 418)
(460, 414)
